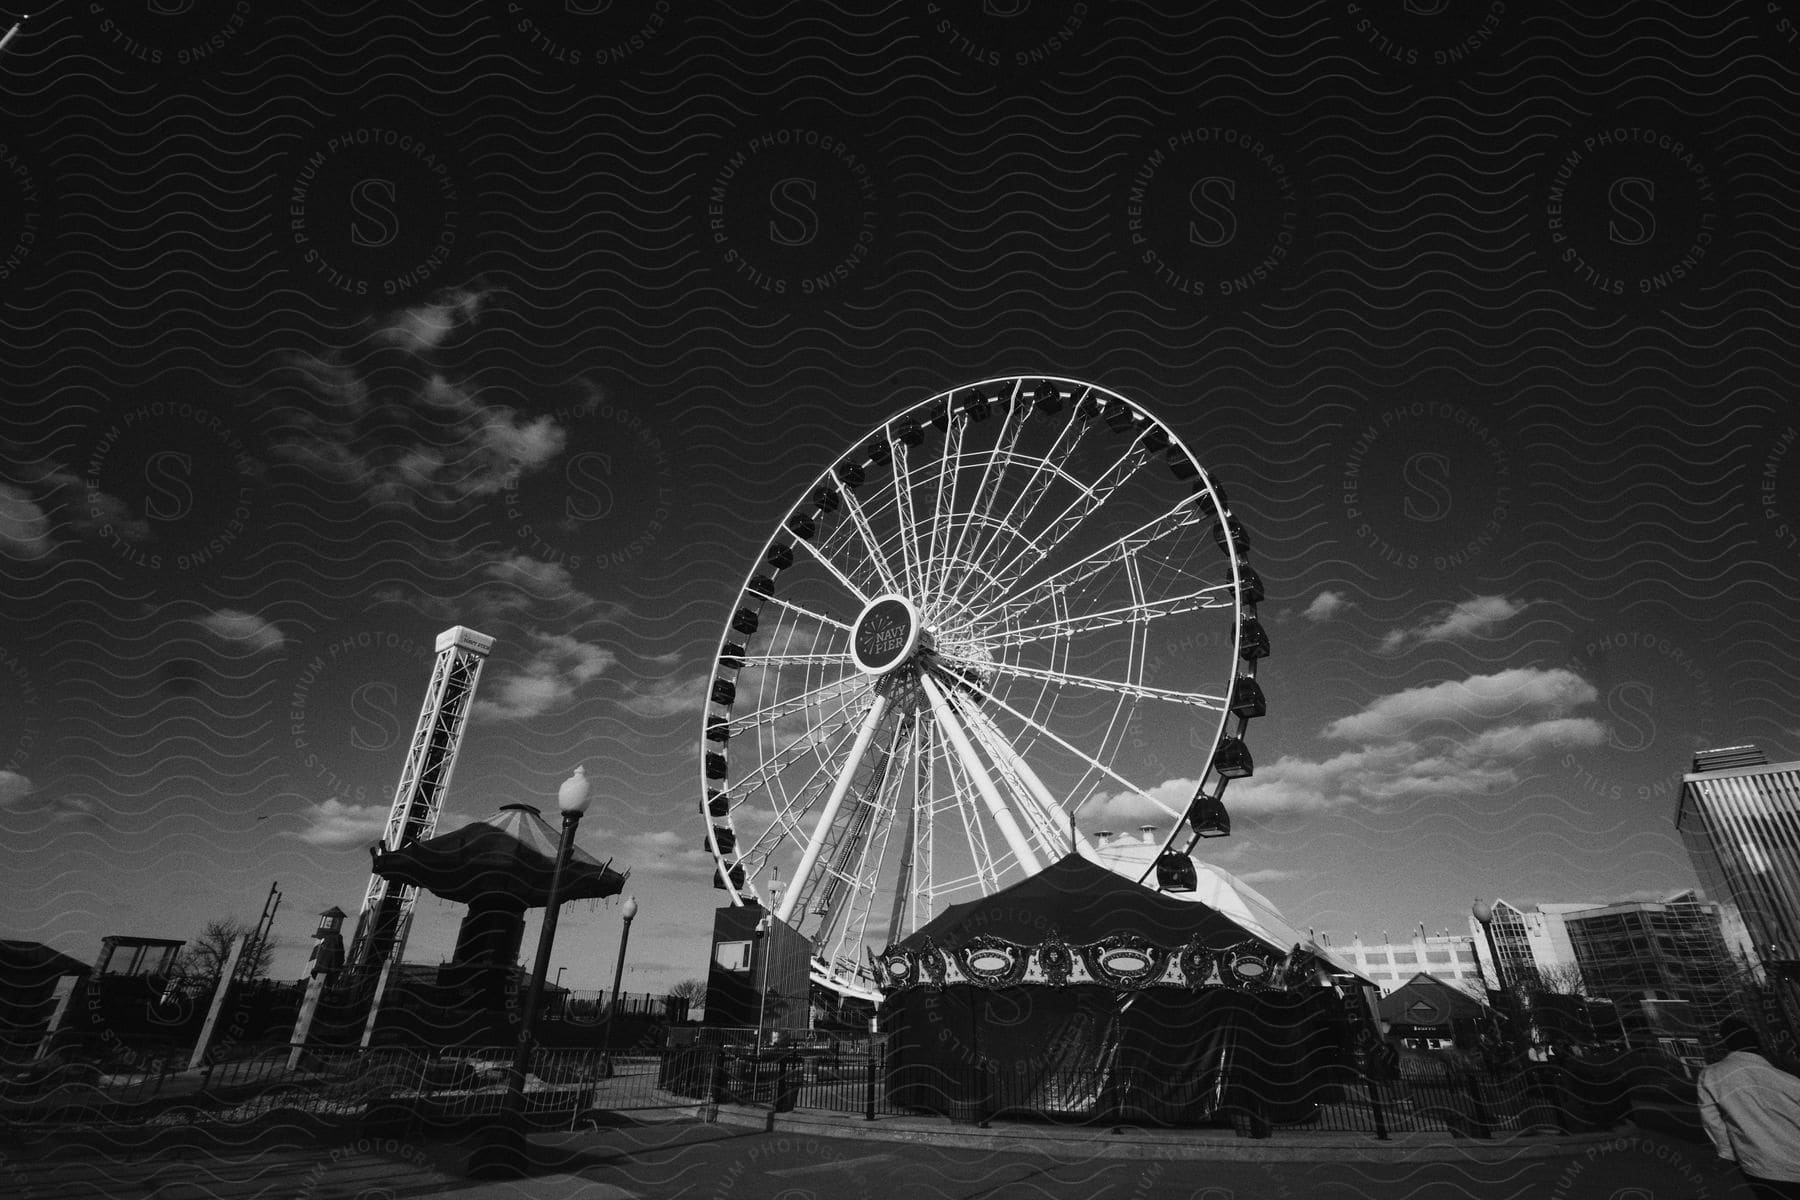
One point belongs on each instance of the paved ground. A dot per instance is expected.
(671, 1155)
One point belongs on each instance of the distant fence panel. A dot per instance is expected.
(418, 1088)
(383, 1084)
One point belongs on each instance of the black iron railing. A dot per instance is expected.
(858, 1078)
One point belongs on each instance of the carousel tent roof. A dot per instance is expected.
(1216, 888)
(1081, 902)
(508, 856)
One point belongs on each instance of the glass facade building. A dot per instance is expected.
(1670, 951)
(1739, 817)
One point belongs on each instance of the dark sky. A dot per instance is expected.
(325, 330)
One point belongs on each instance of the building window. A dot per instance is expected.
(1405, 956)
(1437, 956)
(1378, 957)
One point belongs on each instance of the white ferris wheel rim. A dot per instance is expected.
(931, 669)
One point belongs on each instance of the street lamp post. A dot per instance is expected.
(762, 999)
(1483, 912)
(628, 912)
(762, 993)
(506, 1151)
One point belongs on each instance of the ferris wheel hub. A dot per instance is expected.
(885, 634)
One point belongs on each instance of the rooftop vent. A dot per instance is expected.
(1729, 758)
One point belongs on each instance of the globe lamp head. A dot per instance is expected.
(572, 797)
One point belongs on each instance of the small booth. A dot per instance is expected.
(1080, 994)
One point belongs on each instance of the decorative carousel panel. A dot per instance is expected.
(993, 962)
(897, 969)
(1055, 960)
(1247, 965)
(1125, 962)
(1200, 965)
(932, 960)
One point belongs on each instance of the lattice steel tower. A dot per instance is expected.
(387, 908)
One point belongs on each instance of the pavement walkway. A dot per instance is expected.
(1137, 1142)
(713, 1151)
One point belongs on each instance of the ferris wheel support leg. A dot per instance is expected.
(816, 845)
(990, 795)
(1052, 812)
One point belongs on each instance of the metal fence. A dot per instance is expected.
(420, 1089)
(1536, 1099)
(378, 1084)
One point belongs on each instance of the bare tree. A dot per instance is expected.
(208, 953)
(691, 990)
(1551, 979)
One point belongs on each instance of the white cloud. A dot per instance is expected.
(1267, 875)
(1470, 618)
(24, 529)
(668, 696)
(1467, 701)
(15, 789)
(334, 823)
(50, 499)
(424, 326)
(245, 633)
(435, 444)
(558, 666)
(663, 852)
(1123, 811)
(1458, 738)
(1325, 606)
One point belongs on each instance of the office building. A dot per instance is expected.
(1447, 957)
(1531, 939)
(1739, 816)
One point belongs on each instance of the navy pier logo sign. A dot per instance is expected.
(886, 633)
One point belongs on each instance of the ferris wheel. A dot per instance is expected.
(1009, 602)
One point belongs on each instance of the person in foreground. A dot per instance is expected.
(1751, 1110)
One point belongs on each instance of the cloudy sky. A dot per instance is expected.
(326, 331)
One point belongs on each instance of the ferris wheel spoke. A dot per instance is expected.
(877, 554)
(925, 798)
(785, 827)
(809, 859)
(833, 659)
(1117, 687)
(1095, 764)
(819, 556)
(985, 870)
(945, 715)
(766, 715)
(1040, 812)
(870, 853)
(911, 555)
(980, 512)
(762, 778)
(799, 610)
(1050, 469)
(1090, 500)
(1034, 786)
(944, 507)
(1183, 515)
(840, 876)
(1217, 595)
